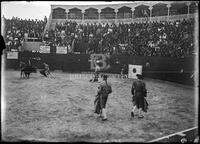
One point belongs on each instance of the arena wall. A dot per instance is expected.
(164, 68)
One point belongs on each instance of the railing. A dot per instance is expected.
(143, 19)
(101, 21)
(181, 17)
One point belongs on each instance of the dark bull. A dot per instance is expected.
(27, 70)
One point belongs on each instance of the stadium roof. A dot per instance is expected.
(39, 9)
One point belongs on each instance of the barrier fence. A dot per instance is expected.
(165, 68)
(187, 136)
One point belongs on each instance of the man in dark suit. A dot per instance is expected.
(101, 99)
(139, 93)
(22, 65)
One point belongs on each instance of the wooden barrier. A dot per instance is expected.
(188, 135)
(164, 68)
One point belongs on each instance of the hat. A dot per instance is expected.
(139, 76)
(105, 77)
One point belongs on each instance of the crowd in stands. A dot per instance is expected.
(17, 30)
(171, 39)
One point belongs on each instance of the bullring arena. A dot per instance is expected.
(60, 107)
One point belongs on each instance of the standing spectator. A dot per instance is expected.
(147, 68)
(45, 19)
(21, 65)
(147, 64)
(123, 71)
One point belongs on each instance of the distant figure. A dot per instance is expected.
(101, 98)
(96, 72)
(45, 19)
(21, 66)
(97, 67)
(147, 72)
(147, 64)
(139, 93)
(123, 70)
(46, 67)
(29, 62)
(45, 71)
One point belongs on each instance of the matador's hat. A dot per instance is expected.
(139, 76)
(105, 77)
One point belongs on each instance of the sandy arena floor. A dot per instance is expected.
(61, 109)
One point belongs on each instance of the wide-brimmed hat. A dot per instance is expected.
(105, 77)
(139, 76)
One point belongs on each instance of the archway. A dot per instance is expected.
(178, 8)
(124, 12)
(142, 11)
(159, 9)
(107, 13)
(75, 13)
(91, 13)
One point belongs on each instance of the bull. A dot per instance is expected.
(27, 70)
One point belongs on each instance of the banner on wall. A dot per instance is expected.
(61, 50)
(31, 46)
(133, 70)
(44, 49)
(12, 55)
(101, 59)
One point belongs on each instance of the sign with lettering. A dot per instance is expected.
(44, 49)
(12, 55)
(61, 50)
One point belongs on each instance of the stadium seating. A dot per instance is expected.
(18, 30)
(166, 39)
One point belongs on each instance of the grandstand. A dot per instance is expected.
(80, 28)
(139, 11)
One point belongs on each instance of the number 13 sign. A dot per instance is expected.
(101, 60)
